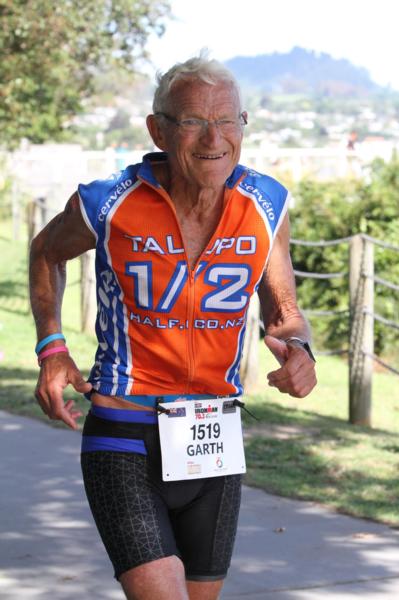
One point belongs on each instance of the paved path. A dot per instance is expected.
(286, 550)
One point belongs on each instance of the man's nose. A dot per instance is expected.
(211, 132)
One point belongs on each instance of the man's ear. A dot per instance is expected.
(156, 132)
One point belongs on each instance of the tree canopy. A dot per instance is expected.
(51, 51)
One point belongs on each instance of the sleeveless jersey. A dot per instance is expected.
(162, 327)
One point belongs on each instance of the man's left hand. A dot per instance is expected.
(296, 375)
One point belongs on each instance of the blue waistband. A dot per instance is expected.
(92, 443)
(142, 416)
(152, 401)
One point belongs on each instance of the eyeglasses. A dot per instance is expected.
(194, 125)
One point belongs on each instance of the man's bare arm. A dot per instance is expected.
(64, 238)
(283, 319)
(281, 315)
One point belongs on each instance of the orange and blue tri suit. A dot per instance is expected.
(162, 327)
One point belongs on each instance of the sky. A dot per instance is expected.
(363, 31)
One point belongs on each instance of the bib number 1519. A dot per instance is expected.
(209, 431)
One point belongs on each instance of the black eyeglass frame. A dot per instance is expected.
(241, 117)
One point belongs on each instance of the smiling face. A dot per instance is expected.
(203, 159)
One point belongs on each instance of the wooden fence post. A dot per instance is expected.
(88, 302)
(30, 219)
(37, 216)
(361, 346)
(16, 211)
(249, 370)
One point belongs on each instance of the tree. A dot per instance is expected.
(51, 52)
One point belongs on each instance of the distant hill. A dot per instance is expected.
(302, 71)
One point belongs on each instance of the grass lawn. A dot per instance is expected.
(18, 366)
(305, 448)
(299, 448)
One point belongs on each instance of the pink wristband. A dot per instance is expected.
(49, 352)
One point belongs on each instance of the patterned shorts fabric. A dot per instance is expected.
(141, 518)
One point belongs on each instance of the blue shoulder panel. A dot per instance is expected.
(99, 196)
(269, 194)
(235, 176)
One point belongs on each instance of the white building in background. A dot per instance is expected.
(53, 171)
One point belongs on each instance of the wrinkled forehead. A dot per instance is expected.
(190, 91)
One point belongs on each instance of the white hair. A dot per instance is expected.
(200, 67)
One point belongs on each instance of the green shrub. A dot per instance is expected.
(337, 209)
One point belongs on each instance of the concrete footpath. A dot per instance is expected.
(285, 550)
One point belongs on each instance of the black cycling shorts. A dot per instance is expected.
(141, 518)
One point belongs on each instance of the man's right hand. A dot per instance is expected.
(56, 373)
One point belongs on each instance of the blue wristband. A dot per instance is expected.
(47, 340)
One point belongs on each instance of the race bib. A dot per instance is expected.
(201, 439)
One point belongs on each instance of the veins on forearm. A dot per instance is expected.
(284, 320)
(47, 284)
(280, 312)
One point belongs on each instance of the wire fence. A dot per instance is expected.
(306, 274)
(361, 315)
(374, 278)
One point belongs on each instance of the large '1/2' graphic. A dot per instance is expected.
(228, 279)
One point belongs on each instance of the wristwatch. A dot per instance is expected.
(295, 341)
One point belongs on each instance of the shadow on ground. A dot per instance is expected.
(49, 548)
(308, 456)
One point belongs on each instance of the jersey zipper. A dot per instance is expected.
(191, 282)
(190, 300)
(190, 333)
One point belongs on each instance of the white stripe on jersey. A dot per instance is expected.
(129, 361)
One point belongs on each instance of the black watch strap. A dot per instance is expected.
(295, 341)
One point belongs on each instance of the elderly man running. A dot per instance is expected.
(182, 241)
